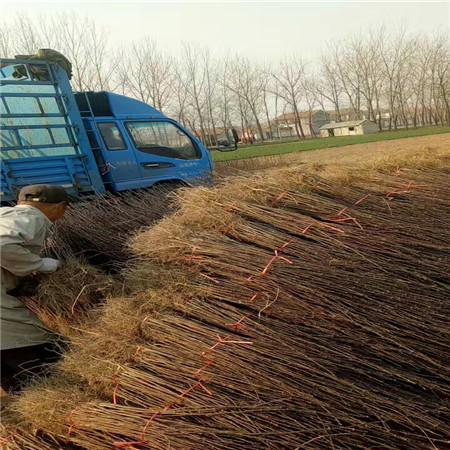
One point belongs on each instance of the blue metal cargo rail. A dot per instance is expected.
(42, 134)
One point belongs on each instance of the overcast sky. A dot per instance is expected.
(261, 30)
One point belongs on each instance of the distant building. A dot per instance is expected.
(346, 114)
(311, 121)
(353, 127)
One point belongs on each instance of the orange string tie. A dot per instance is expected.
(362, 199)
(192, 256)
(410, 186)
(272, 260)
(330, 227)
(69, 419)
(226, 340)
(147, 424)
(205, 388)
(167, 407)
(145, 319)
(214, 280)
(279, 197)
(238, 324)
(307, 228)
(347, 219)
(225, 230)
(342, 211)
(191, 388)
(69, 431)
(136, 353)
(254, 297)
(396, 191)
(116, 381)
(230, 207)
(128, 444)
(220, 341)
(209, 362)
(285, 245)
(6, 438)
(170, 405)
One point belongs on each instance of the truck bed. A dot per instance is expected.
(42, 135)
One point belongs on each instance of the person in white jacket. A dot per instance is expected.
(24, 229)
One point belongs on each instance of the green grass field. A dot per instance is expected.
(313, 144)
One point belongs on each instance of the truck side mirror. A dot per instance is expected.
(226, 146)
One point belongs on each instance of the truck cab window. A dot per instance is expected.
(162, 139)
(111, 136)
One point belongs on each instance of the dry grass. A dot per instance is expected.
(64, 299)
(339, 339)
(97, 230)
(362, 154)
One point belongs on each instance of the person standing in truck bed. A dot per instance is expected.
(26, 343)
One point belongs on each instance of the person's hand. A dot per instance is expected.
(49, 265)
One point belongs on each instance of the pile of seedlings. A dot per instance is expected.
(285, 310)
(96, 230)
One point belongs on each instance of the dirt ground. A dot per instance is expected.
(348, 155)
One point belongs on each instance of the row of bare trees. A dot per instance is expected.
(395, 78)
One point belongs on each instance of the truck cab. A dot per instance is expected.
(87, 142)
(135, 145)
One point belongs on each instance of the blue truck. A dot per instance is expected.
(88, 142)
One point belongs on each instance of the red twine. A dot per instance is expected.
(116, 381)
(230, 207)
(137, 352)
(362, 199)
(279, 197)
(254, 297)
(275, 257)
(406, 190)
(209, 362)
(209, 278)
(3, 441)
(236, 325)
(342, 211)
(170, 405)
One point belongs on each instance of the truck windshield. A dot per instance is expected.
(162, 139)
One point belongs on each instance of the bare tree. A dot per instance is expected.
(328, 85)
(193, 79)
(211, 94)
(310, 100)
(290, 76)
(245, 82)
(149, 74)
(404, 73)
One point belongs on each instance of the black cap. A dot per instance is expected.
(43, 193)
